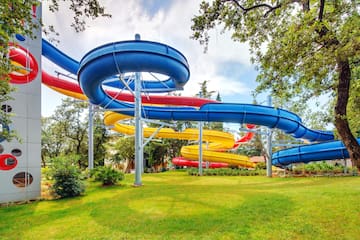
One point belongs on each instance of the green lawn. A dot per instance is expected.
(173, 205)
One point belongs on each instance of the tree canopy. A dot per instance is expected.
(66, 133)
(301, 48)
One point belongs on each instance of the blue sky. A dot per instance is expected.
(226, 65)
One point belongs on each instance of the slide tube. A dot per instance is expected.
(312, 152)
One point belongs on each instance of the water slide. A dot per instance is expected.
(312, 152)
(110, 61)
(218, 141)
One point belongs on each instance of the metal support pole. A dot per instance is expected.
(200, 148)
(138, 128)
(207, 162)
(200, 144)
(91, 137)
(269, 146)
(269, 161)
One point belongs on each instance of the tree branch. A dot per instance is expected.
(306, 5)
(321, 10)
(262, 5)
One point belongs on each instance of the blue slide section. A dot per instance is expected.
(72, 66)
(142, 56)
(107, 61)
(312, 152)
(59, 58)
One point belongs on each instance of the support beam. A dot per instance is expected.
(269, 147)
(200, 148)
(138, 128)
(91, 137)
(200, 144)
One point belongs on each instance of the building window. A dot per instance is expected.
(16, 152)
(22, 179)
(6, 108)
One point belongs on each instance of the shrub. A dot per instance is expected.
(354, 171)
(67, 180)
(46, 173)
(107, 175)
(325, 168)
(260, 165)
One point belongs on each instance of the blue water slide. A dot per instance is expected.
(59, 58)
(312, 152)
(69, 64)
(142, 56)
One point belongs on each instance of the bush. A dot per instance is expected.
(66, 179)
(260, 165)
(354, 171)
(325, 169)
(46, 173)
(107, 175)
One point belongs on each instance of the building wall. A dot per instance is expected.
(20, 179)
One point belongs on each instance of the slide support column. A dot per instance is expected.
(91, 137)
(200, 148)
(138, 128)
(200, 144)
(269, 147)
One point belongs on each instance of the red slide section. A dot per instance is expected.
(73, 86)
(247, 137)
(180, 161)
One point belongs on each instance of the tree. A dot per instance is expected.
(52, 140)
(13, 15)
(68, 119)
(83, 10)
(125, 151)
(354, 100)
(217, 125)
(101, 137)
(205, 93)
(66, 132)
(156, 153)
(303, 48)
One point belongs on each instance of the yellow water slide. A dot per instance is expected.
(212, 152)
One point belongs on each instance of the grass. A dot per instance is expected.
(173, 205)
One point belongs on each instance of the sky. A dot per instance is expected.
(226, 65)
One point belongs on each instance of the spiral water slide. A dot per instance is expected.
(109, 61)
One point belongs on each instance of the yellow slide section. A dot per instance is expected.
(70, 93)
(217, 141)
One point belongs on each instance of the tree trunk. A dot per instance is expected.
(130, 165)
(341, 122)
(43, 162)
